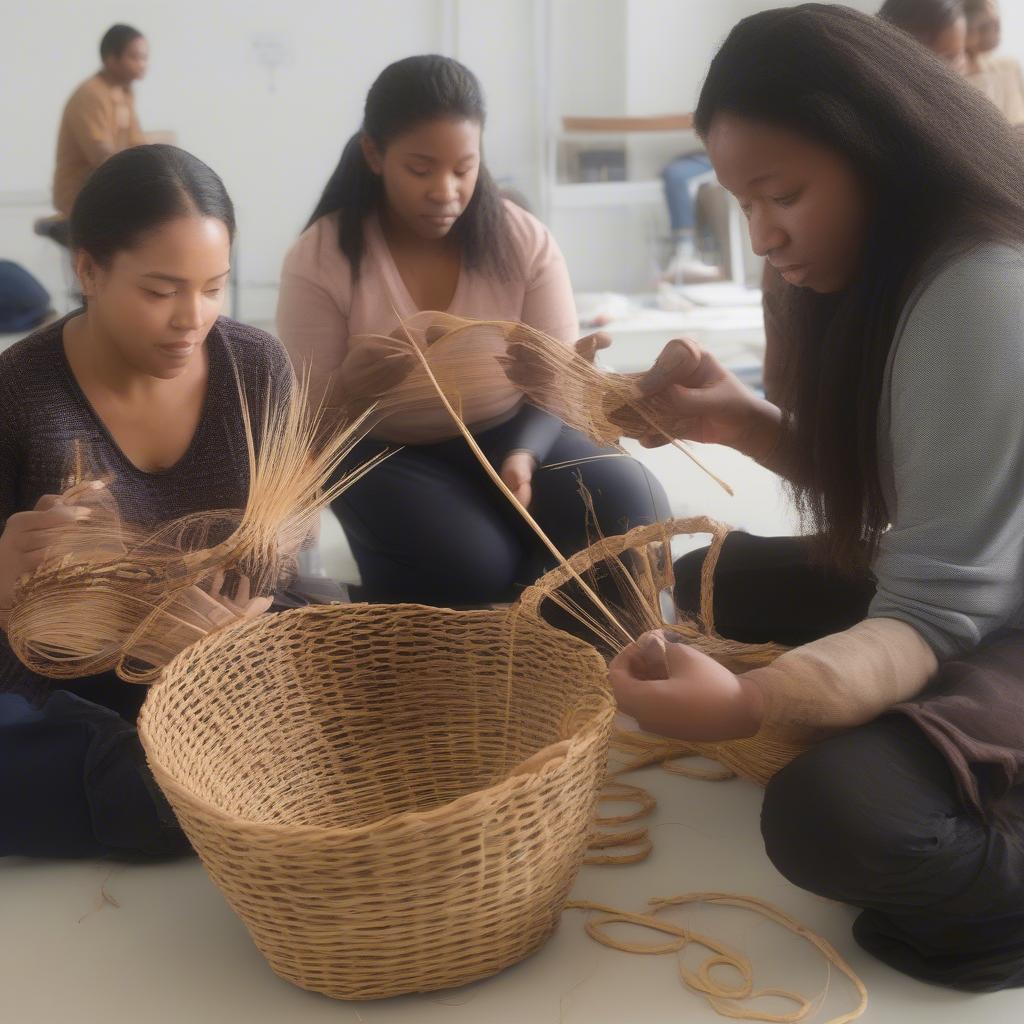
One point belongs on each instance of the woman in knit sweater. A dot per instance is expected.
(141, 387)
(855, 158)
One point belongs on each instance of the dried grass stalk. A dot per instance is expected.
(475, 363)
(638, 567)
(728, 1000)
(112, 596)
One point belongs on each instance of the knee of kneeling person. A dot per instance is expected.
(829, 829)
(687, 571)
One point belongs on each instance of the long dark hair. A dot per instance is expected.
(943, 170)
(139, 189)
(406, 94)
(923, 19)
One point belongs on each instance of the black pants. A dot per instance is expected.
(74, 780)
(428, 526)
(872, 817)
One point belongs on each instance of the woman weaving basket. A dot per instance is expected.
(411, 220)
(887, 195)
(134, 399)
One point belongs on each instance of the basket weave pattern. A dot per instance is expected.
(392, 798)
(645, 553)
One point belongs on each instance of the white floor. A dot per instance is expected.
(164, 948)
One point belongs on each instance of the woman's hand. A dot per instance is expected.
(517, 473)
(28, 536)
(675, 690)
(213, 608)
(588, 347)
(693, 397)
(193, 614)
(371, 369)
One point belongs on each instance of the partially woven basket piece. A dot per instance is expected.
(393, 798)
(633, 573)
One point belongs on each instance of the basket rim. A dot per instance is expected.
(597, 719)
(394, 823)
(609, 547)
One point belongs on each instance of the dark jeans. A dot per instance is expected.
(872, 816)
(74, 780)
(24, 302)
(428, 526)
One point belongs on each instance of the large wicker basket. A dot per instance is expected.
(392, 798)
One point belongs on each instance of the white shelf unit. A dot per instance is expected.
(578, 195)
(560, 196)
(594, 195)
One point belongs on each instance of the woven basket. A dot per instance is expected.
(645, 554)
(393, 798)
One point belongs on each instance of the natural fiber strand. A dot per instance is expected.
(111, 596)
(637, 841)
(467, 357)
(725, 1000)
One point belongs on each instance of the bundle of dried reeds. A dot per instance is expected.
(111, 595)
(633, 574)
(475, 363)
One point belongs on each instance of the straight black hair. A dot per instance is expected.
(406, 94)
(139, 189)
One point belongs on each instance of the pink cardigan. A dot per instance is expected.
(320, 309)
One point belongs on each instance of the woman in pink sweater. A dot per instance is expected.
(411, 220)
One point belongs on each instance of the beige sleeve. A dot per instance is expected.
(843, 680)
(313, 329)
(88, 117)
(136, 136)
(549, 304)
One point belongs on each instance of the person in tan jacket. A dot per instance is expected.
(999, 77)
(99, 119)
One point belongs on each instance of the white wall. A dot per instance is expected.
(274, 138)
(589, 66)
(273, 144)
(274, 147)
(500, 41)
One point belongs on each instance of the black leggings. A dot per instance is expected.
(429, 526)
(872, 816)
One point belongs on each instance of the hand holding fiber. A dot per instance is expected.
(371, 369)
(517, 473)
(111, 594)
(28, 539)
(690, 395)
(194, 613)
(674, 689)
(588, 347)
